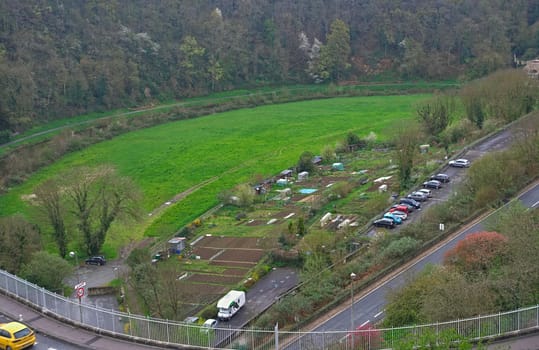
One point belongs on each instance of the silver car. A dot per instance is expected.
(459, 163)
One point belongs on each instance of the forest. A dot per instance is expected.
(61, 58)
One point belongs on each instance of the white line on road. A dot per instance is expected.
(378, 314)
(364, 323)
(534, 204)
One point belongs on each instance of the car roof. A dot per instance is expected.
(13, 327)
(210, 321)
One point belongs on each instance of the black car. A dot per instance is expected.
(441, 177)
(96, 260)
(432, 184)
(411, 202)
(384, 222)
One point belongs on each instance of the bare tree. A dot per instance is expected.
(49, 200)
(100, 196)
(407, 139)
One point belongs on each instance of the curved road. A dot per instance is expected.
(369, 308)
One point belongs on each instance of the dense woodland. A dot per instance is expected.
(59, 58)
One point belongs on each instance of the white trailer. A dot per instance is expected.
(230, 304)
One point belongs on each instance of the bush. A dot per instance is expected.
(401, 247)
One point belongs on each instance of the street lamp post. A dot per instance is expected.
(352, 277)
(74, 255)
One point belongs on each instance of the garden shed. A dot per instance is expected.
(304, 175)
(176, 245)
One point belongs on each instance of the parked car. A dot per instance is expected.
(411, 202)
(418, 196)
(210, 323)
(96, 260)
(402, 207)
(15, 336)
(441, 177)
(384, 222)
(432, 184)
(397, 220)
(426, 192)
(459, 163)
(399, 213)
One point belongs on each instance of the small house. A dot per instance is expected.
(304, 175)
(337, 166)
(176, 245)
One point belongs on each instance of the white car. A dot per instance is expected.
(459, 163)
(426, 192)
(210, 323)
(399, 214)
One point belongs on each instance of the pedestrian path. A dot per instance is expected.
(64, 332)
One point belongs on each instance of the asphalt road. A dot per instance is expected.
(369, 308)
(44, 342)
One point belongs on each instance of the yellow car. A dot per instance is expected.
(15, 336)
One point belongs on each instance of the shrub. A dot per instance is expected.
(401, 247)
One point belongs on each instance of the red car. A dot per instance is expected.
(402, 208)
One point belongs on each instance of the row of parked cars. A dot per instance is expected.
(405, 206)
(400, 211)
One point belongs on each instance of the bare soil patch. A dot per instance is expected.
(205, 253)
(243, 255)
(228, 242)
(207, 278)
(256, 222)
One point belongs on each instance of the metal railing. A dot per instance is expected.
(161, 331)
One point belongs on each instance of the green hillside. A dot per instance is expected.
(226, 149)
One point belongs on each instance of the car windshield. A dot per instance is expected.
(22, 333)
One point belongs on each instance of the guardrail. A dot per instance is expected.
(173, 333)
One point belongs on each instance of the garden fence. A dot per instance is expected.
(177, 333)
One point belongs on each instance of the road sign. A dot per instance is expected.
(80, 292)
(80, 285)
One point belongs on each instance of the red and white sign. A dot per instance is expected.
(79, 289)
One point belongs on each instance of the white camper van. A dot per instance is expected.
(230, 304)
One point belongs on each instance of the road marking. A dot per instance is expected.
(534, 204)
(364, 323)
(378, 314)
(50, 348)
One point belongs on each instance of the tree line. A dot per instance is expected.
(61, 58)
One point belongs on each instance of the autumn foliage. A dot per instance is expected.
(478, 252)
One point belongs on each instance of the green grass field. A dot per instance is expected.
(228, 147)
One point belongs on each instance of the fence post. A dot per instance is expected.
(518, 320)
(537, 315)
(148, 321)
(479, 330)
(499, 323)
(168, 333)
(277, 336)
(130, 324)
(26, 288)
(44, 299)
(113, 317)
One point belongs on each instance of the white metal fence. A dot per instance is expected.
(173, 332)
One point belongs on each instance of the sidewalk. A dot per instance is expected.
(64, 332)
